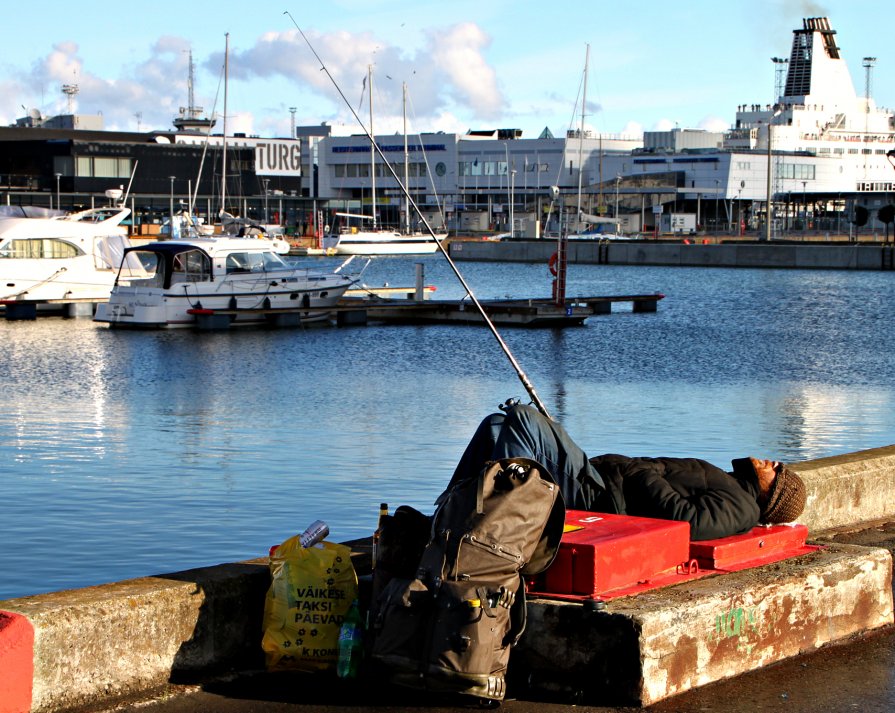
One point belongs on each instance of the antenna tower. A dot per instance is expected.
(70, 90)
(868, 70)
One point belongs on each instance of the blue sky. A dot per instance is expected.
(467, 65)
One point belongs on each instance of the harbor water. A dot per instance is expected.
(125, 454)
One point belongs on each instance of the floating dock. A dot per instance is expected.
(511, 312)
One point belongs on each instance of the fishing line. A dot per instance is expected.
(529, 387)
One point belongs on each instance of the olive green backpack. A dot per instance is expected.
(449, 626)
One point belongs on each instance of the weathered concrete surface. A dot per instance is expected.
(848, 490)
(646, 648)
(119, 639)
(849, 256)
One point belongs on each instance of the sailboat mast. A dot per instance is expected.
(581, 136)
(224, 166)
(372, 148)
(406, 158)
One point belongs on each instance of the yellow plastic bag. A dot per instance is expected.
(310, 593)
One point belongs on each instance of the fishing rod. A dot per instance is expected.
(526, 382)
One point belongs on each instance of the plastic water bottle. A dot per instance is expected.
(351, 645)
(315, 533)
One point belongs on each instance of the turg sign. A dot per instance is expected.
(278, 158)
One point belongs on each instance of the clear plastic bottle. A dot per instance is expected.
(351, 644)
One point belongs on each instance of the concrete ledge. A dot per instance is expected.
(654, 645)
(100, 643)
(848, 490)
(16, 662)
(807, 255)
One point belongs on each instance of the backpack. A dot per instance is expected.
(449, 626)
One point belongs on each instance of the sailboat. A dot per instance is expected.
(588, 226)
(231, 225)
(350, 239)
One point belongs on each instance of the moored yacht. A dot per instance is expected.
(53, 258)
(170, 283)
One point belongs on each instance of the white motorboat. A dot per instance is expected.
(170, 283)
(59, 257)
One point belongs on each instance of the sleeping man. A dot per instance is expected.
(715, 502)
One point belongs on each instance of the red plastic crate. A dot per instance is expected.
(601, 552)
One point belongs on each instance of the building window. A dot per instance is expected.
(84, 166)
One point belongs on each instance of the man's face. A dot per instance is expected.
(766, 470)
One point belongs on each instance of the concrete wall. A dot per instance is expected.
(848, 256)
(104, 642)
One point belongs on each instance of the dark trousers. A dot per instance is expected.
(523, 432)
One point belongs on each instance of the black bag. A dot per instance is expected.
(450, 627)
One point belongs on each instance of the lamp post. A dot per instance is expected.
(58, 202)
(717, 190)
(265, 181)
(769, 209)
(804, 209)
(618, 179)
(512, 202)
(171, 205)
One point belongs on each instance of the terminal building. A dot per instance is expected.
(819, 157)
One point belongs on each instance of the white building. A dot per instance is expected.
(827, 154)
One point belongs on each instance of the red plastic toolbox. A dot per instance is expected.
(602, 552)
(758, 545)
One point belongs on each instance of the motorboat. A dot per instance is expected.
(50, 256)
(171, 283)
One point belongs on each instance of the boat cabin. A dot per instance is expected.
(164, 264)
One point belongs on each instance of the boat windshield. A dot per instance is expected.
(142, 268)
(266, 261)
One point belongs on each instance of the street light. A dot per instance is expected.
(171, 207)
(512, 201)
(617, 181)
(769, 209)
(265, 181)
(804, 208)
(717, 191)
(58, 202)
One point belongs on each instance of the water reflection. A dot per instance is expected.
(130, 453)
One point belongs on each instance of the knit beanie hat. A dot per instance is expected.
(786, 500)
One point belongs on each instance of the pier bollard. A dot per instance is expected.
(419, 294)
(79, 309)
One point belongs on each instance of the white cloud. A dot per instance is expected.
(632, 128)
(714, 123)
(471, 81)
